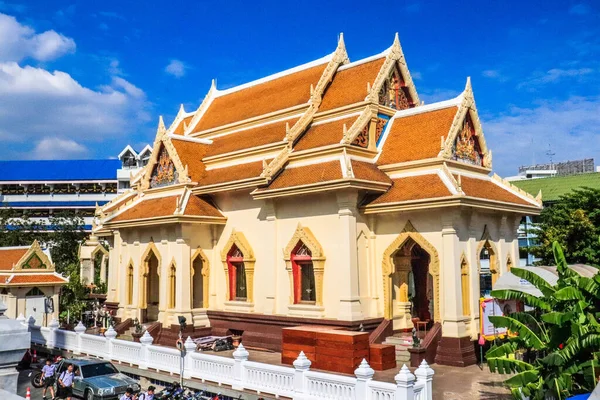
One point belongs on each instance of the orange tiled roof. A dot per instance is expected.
(250, 138)
(417, 137)
(32, 278)
(277, 94)
(9, 257)
(179, 130)
(157, 207)
(369, 172)
(233, 173)
(308, 174)
(486, 189)
(324, 134)
(197, 206)
(413, 188)
(191, 154)
(350, 85)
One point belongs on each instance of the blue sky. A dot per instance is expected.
(83, 79)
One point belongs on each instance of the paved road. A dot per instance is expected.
(24, 382)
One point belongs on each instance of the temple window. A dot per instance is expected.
(238, 289)
(130, 284)
(304, 274)
(394, 93)
(172, 286)
(487, 270)
(466, 145)
(197, 283)
(34, 292)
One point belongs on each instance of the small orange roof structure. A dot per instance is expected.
(27, 266)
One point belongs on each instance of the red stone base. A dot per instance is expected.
(456, 352)
(264, 331)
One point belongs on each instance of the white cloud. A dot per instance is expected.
(58, 149)
(416, 75)
(522, 136)
(555, 75)
(579, 9)
(176, 68)
(433, 96)
(18, 42)
(491, 73)
(36, 104)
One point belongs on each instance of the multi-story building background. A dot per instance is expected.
(42, 188)
(553, 180)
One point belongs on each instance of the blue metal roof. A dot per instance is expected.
(50, 204)
(59, 170)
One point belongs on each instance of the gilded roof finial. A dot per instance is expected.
(341, 42)
(468, 87)
(161, 126)
(181, 110)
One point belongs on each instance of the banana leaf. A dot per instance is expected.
(534, 279)
(569, 293)
(590, 286)
(505, 365)
(524, 331)
(501, 350)
(528, 299)
(552, 360)
(557, 318)
(522, 379)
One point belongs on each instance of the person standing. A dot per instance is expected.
(128, 395)
(48, 373)
(65, 382)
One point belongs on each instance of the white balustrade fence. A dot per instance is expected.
(297, 382)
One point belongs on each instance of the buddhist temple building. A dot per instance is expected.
(325, 194)
(29, 285)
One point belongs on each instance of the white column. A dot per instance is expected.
(452, 320)
(113, 268)
(425, 374)
(405, 382)
(346, 273)
(272, 272)
(301, 365)
(146, 340)
(364, 373)
(240, 355)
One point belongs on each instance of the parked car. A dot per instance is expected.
(97, 379)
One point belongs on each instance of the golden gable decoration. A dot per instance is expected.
(164, 172)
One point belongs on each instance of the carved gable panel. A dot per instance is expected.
(164, 172)
(466, 145)
(362, 140)
(394, 92)
(34, 262)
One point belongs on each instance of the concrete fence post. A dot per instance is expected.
(425, 374)
(364, 373)
(110, 335)
(79, 330)
(240, 355)
(301, 365)
(405, 384)
(53, 326)
(145, 340)
(190, 347)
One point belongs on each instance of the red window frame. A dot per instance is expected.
(232, 262)
(297, 261)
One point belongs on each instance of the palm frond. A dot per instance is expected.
(524, 331)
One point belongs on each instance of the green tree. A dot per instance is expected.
(63, 235)
(560, 337)
(573, 221)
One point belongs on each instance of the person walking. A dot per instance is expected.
(149, 395)
(48, 373)
(128, 395)
(65, 382)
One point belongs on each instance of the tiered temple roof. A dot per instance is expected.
(327, 124)
(27, 266)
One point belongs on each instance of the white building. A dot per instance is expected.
(41, 188)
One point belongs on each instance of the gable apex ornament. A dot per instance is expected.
(161, 130)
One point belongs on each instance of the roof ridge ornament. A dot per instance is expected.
(161, 130)
(394, 55)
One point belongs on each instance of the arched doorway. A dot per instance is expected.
(412, 295)
(410, 279)
(238, 288)
(151, 292)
